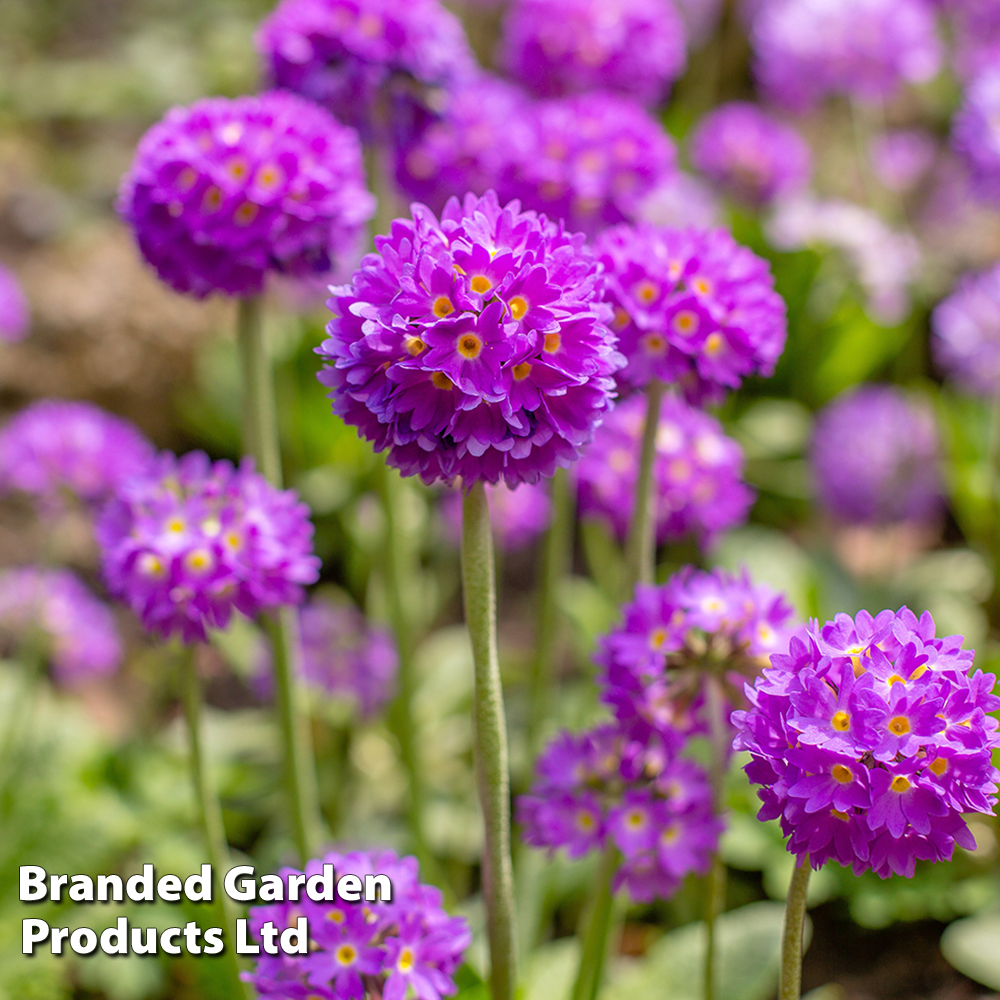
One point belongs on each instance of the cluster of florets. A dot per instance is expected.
(517, 516)
(901, 157)
(51, 613)
(691, 307)
(697, 472)
(13, 308)
(808, 49)
(475, 346)
(375, 64)
(614, 786)
(406, 944)
(750, 155)
(225, 191)
(967, 333)
(875, 457)
(557, 47)
(55, 448)
(975, 31)
(189, 541)
(976, 134)
(655, 664)
(870, 739)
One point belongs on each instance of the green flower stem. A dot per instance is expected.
(210, 816)
(715, 885)
(260, 439)
(596, 928)
(479, 592)
(640, 551)
(790, 984)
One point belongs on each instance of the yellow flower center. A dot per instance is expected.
(151, 565)
(187, 179)
(896, 679)
(939, 765)
(657, 638)
(212, 201)
(441, 381)
(842, 774)
(654, 343)
(480, 284)
(443, 307)
(647, 292)
(899, 725)
(337, 916)
(469, 346)
(245, 214)
(405, 960)
(841, 721)
(269, 176)
(176, 526)
(621, 319)
(233, 540)
(521, 371)
(900, 784)
(553, 341)
(714, 344)
(518, 307)
(414, 346)
(686, 323)
(635, 820)
(702, 286)
(199, 560)
(840, 815)
(585, 821)
(346, 954)
(670, 834)
(237, 168)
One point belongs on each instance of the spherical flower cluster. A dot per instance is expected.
(691, 307)
(901, 157)
(475, 346)
(610, 785)
(517, 516)
(749, 154)
(966, 329)
(976, 134)
(14, 317)
(189, 541)
(52, 606)
(593, 161)
(654, 665)
(870, 740)
(224, 191)
(370, 62)
(808, 49)
(697, 484)
(391, 948)
(975, 26)
(54, 447)
(558, 47)
(874, 456)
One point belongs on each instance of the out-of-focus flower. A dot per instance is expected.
(870, 740)
(701, 18)
(975, 26)
(403, 945)
(55, 446)
(558, 47)
(749, 154)
(517, 516)
(866, 49)
(902, 157)
(225, 191)
(691, 307)
(886, 261)
(77, 632)
(672, 637)
(612, 785)
(976, 134)
(476, 346)
(378, 65)
(14, 317)
(967, 333)
(697, 473)
(190, 541)
(682, 201)
(874, 456)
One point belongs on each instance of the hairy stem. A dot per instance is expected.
(790, 984)
(640, 550)
(715, 885)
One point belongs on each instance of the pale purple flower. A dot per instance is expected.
(901, 157)
(14, 316)
(681, 201)
(966, 329)
(976, 134)
(517, 516)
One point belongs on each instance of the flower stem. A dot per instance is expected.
(260, 439)
(715, 885)
(640, 550)
(790, 984)
(210, 815)
(594, 939)
(479, 592)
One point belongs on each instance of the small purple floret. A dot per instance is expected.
(14, 316)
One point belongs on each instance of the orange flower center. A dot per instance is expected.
(441, 381)
(469, 346)
(899, 725)
(443, 307)
(518, 307)
(841, 721)
(842, 774)
(480, 284)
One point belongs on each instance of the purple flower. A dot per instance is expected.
(189, 541)
(558, 47)
(691, 307)
(975, 26)
(749, 154)
(976, 134)
(874, 456)
(517, 516)
(901, 157)
(893, 792)
(701, 18)
(14, 317)
(373, 63)
(808, 49)
(697, 474)
(358, 949)
(966, 329)
(225, 191)
(475, 346)
(55, 447)
(78, 631)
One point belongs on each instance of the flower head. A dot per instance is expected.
(77, 630)
(692, 307)
(225, 191)
(975, 27)
(14, 318)
(475, 346)
(870, 739)
(697, 474)
(976, 134)
(966, 329)
(189, 541)
(874, 455)
(517, 516)
(558, 47)
(54, 447)
(901, 157)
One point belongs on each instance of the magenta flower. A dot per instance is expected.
(975, 134)
(517, 516)
(697, 473)
(558, 47)
(226, 191)
(14, 316)
(475, 346)
(56, 447)
(189, 542)
(691, 307)
(78, 632)
(895, 792)
(966, 337)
